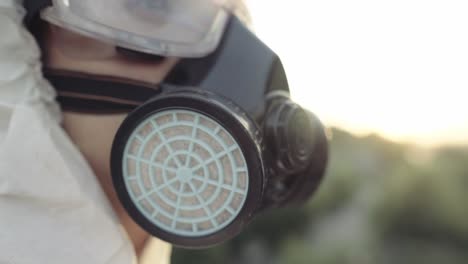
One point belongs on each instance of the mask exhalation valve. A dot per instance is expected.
(289, 131)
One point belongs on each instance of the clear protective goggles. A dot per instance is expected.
(179, 28)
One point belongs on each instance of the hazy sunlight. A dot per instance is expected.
(399, 68)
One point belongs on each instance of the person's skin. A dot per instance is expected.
(92, 133)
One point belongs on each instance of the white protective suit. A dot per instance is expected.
(52, 209)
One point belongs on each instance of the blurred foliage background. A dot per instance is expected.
(381, 202)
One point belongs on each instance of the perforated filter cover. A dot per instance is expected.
(185, 173)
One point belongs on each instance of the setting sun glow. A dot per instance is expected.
(398, 68)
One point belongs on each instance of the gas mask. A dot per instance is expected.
(217, 142)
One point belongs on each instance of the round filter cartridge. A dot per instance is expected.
(185, 173)
(187, 166)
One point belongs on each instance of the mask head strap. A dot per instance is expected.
(80, 92)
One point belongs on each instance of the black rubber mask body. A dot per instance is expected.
(218, 141)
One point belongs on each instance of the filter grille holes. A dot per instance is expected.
(185, 173)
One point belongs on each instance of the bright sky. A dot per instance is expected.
(396, 67)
